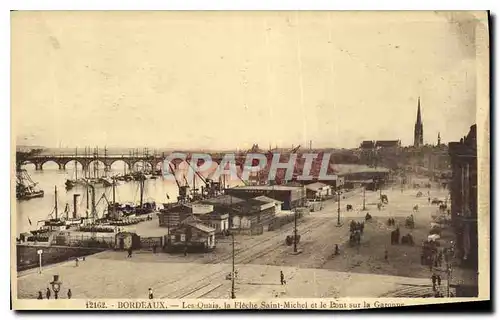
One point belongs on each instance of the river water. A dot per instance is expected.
(38, 209)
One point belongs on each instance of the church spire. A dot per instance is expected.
(439, 139)
(419, 117)
(419, 128)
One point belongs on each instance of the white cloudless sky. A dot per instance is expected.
(231, 79)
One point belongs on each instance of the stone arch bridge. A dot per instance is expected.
(85, 161)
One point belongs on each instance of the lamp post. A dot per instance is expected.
(56, 285)
(338, 209)
(233, 295)
(40, 251)
(364, 196)
(380, 189)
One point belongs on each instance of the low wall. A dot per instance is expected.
(27, 256)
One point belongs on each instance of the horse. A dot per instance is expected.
(384, 199)
(349, 207)
(410, 222)
(436, 201)
(395, 236)
(419, 194)
(407, 239)
(355, 238)
(415, 208)
(353, 226)
(368, 216)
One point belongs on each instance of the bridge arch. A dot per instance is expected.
(79, 164)
(118, 164)
(96, 164)
(42, 164)
(138, 165)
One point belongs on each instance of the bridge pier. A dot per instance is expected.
(62, 166)
(38, 166)
(107, 168)
(85, 167)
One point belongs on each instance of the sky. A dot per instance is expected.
(231, 79)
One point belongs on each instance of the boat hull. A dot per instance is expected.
(32, 195)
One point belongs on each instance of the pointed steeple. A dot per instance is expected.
(439, 139)
(419, 117)
(419, 128)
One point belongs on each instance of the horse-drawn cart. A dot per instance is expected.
(289, 240)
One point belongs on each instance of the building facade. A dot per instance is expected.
(463, 190)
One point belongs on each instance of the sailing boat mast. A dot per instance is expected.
(76, 165)
(194, 184)
(88, 191)
(55, 200)
(141, 184)
(113, 208)
(93, 204)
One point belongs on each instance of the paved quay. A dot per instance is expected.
(110, 275)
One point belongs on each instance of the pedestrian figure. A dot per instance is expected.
(386, 255)
(40, 296)
(282, 278)
(337, 251)
(76, 262)
(129, 253)
(154, 248)
(429, 200)
(150, 293)
(433, 278)
(69, 294)
(83, 258)
(438, 280)
(47, 293)
(185, 251)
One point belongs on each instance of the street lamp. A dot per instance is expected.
(233, 295)
(364, 191)
(338, 209)
(56, 285)
(295, 230)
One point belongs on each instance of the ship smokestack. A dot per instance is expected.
(75, 200)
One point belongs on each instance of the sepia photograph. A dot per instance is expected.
(249, 159)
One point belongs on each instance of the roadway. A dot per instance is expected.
(315, 272)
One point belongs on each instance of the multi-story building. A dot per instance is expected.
(463, 190)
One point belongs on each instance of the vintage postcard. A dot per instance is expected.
(249, 160)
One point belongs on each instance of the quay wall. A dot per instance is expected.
(27, 256)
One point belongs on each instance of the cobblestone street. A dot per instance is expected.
(314, 272)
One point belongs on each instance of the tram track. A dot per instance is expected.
(277, 241)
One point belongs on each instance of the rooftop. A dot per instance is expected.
(201, 227)
(267, 199)
(367, 144)
(276, 187)
(341, 169)
(388, 143)
(316, 185)
(223, 199)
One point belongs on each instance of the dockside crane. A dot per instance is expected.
(183, 197)
(210, 188)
